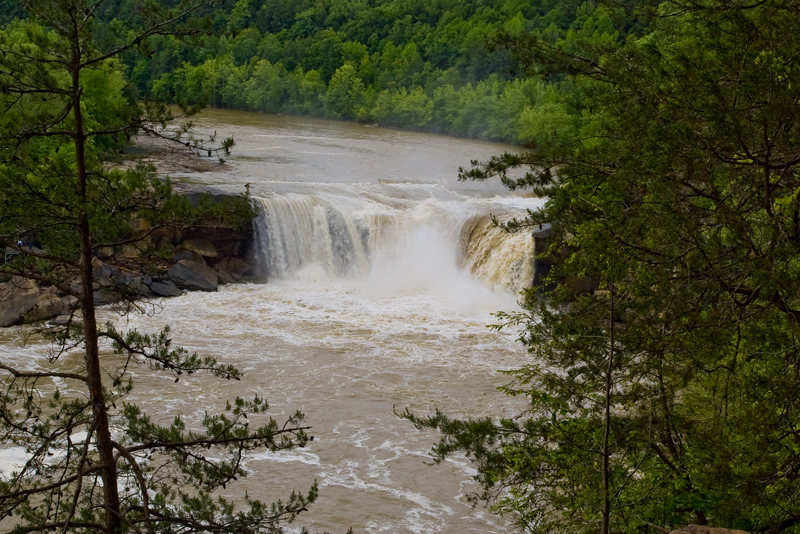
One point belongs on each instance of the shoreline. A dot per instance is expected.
(167, 156)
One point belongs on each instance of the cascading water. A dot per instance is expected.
(295, 231)
(384, 270)
(342, 237)
(503, 260)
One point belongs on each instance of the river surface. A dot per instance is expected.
(383, 273)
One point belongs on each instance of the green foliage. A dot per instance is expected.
(673, 199)
(405, 55)
(344, 92)
(95, 463)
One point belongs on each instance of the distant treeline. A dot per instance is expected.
(429, 65)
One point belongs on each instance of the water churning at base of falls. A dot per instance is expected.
(383, 273)
(354, 238)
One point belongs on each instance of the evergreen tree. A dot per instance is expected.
(94, 462)
(665, 388)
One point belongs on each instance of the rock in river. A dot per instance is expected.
(190, 274)
(165, 289)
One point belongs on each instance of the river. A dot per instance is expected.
(383, 273)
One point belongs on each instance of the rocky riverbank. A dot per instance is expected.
(166, 263)
(168, 157)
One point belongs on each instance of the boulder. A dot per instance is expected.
(47, 306)
(204, 247)
(106, 274)
(17, 297)
(224, 276)
(136, 285)
(190, 274)
(105, 252)
(128, 253)
(76, 286)
(235, 266)
(53, 290)
(165, 289)
(188, 255)
(68, 304)
(113, 280)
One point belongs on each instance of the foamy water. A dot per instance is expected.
(346, 355)
(382, 282)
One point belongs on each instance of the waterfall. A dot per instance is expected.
(343, 236)
(497, 257)
(295, 231)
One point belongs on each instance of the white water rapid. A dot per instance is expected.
(433, 240)
(383, 274)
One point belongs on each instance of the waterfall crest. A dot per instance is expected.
(342, 237)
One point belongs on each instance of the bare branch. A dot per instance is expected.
(31, 374)
(77, 490)
(141, 480)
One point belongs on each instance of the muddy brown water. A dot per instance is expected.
(384, 271)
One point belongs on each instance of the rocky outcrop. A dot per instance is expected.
(169, 261)
(17, 296)
(203, 247)
(22, 301)
(194, 275)
(194, 193)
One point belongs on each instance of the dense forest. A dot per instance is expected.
(664, 373)
(432, 66)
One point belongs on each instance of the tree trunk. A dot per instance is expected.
(103, 441)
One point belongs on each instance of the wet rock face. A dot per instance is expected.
(17, 297)
(192, 258)
(236, 266)
(194, 275)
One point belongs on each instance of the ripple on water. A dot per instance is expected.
(347, 358)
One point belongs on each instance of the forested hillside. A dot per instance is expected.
(434, 66)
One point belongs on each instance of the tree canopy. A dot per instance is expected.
(664, 386)
(94, 461)
(431, 66)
